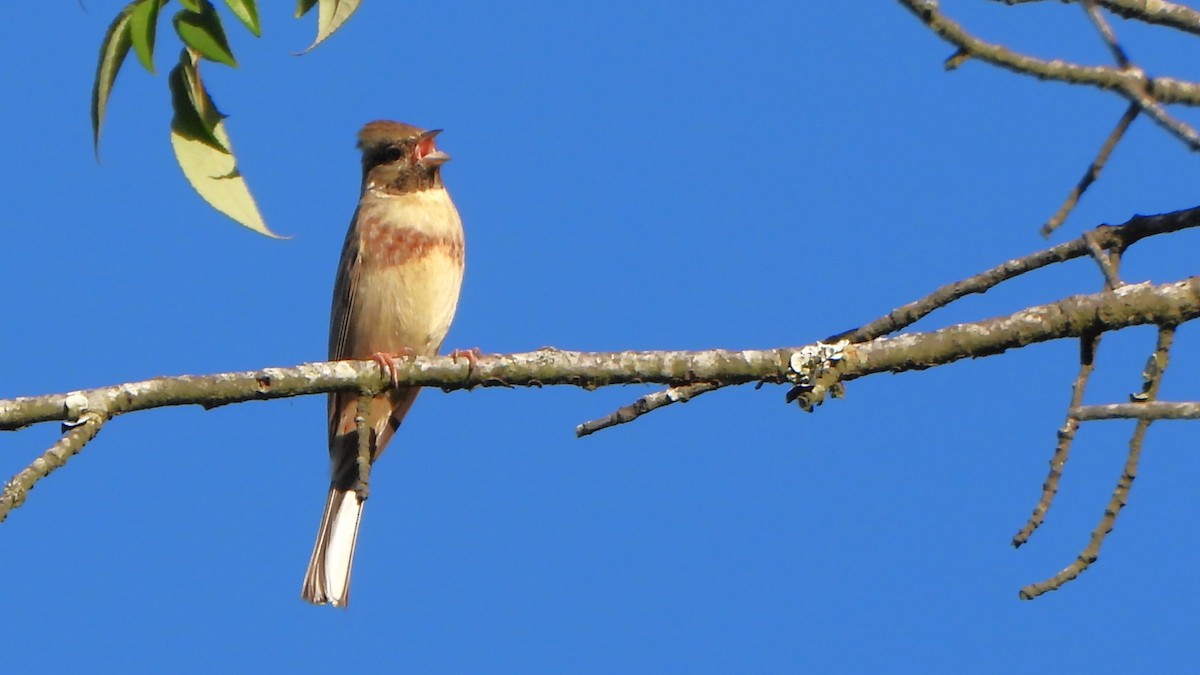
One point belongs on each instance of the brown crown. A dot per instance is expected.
(386, 131)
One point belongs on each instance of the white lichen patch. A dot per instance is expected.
(810, 361)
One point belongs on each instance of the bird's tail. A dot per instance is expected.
(328, 578)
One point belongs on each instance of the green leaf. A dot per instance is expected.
(202, 31)
(203, 150)
(143, 21)
(193, 5)
(302, 7)
(195, 114)
(113, 50)
(330, 16)
(246, 12)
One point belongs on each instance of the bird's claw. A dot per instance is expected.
(390, 366)
(472, 356)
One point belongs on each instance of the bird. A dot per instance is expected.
(395, 295)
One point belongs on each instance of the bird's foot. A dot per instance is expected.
(472, 356)
(389, 363)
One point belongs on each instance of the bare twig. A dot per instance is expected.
(1131, 82)
(1093, 170)
(17, 489)
(1088, 345)
(1112, 238)
(1120, 495)
(1105, 261)
(644, 405)
(956, 59)
(1106, 33)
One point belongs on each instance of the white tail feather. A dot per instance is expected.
(328, 578)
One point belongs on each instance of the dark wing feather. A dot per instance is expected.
(343, 292)
(344, 285)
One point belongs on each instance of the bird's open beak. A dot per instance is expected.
(429, 155)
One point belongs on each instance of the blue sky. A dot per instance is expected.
(631, 176)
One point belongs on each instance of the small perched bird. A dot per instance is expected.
(395, 294)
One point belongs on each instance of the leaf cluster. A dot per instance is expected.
(198, 135)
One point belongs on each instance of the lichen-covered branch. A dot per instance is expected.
(815, 370)
(1130, 305)
(538, 368)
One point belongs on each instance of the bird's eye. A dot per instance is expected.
(390, 154)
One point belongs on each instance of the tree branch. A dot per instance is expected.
(1130, 305)
(1150, 410)
(1115, 238)
(1131, 82)
(1120, 497)
(1107, 237)
(1159, 12)
(648, 403)
(1170, 14)
(16, 489)
(1089, 345)
(1093, 170)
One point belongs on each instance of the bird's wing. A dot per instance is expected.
(343, 292)
(344, 285)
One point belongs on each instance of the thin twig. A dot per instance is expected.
(1114, 238)
(1108, 237)
(1088, 346)
(1120, 495)
(1164, 89)
(1152, 107)
(1131, 82)
(1106, 33)
(644, 405)
(17, 489)
(956, 59)
(1106, 262)
(1093, 170)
